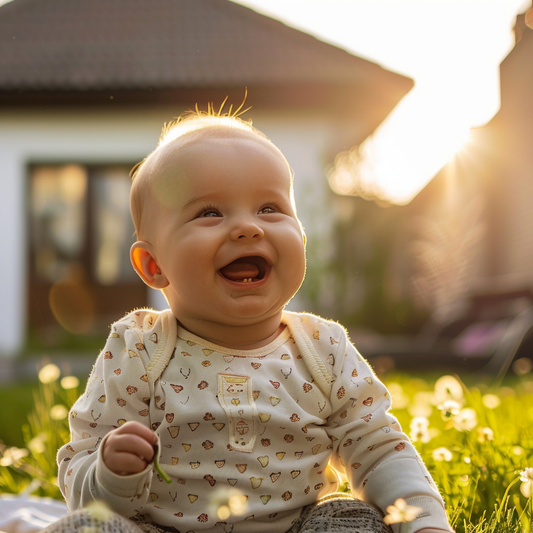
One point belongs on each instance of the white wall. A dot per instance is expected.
(100, 136)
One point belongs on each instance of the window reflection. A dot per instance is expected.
(80, 223)
(113, 229)
(58, 204)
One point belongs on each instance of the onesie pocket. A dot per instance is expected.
(235, 395)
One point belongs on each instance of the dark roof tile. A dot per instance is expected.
(165, 44)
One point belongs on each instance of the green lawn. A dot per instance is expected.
(477, 442)
(17, 402)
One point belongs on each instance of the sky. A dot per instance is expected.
(452, 50)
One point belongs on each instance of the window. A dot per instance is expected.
(80, 277)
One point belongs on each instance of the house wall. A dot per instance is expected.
(479, 205)
(124, 135)
(514, 128)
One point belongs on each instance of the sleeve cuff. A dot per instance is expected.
(432, 515)
(131, 486)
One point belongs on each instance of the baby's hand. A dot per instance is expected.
(129, 449)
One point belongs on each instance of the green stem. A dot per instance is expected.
(160, 471)
(504, 500)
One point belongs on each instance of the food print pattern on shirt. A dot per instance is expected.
(296, 427)
(247, 408)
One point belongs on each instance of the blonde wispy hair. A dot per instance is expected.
(198, 119)
(189, 123)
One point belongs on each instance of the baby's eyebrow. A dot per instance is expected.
(196, 200)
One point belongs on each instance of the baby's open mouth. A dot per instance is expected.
(245, 269)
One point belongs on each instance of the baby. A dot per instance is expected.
(246, 409)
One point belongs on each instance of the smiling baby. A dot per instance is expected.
(247, 410)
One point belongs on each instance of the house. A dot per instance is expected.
(85, 87)
(471, 229)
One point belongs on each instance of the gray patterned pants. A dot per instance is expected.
(335, 513)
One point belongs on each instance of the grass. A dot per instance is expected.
(476, 441)
(18, 402)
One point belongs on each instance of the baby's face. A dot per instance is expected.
(224, 230)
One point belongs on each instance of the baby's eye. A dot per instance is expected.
(267, 210)
(208, 211)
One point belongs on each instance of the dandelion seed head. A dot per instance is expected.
(491, 401)
(467, 460)
(49, 373)
(518, 450)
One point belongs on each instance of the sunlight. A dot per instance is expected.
(452, 49)
(415, 141)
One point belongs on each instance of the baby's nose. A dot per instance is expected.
(246, 229)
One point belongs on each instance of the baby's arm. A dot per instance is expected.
(379, 459)
(94, 465)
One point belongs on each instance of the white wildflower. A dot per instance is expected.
(419, 429)
(465, 420)
(12, 456)
(401, 512)
(49, 373)
(485, 434)
(37, 444)
(526, 477)
(491, 401)
(448, 409)
(448, 388)
(442, 454)
(70, 382)
(58, 412)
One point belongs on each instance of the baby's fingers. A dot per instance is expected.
(126, 454)
(135, 428)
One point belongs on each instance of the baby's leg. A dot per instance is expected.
(340, 513)
(86, 520)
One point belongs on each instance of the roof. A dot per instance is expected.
(137, 44)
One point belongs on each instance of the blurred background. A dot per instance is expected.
(409, 126)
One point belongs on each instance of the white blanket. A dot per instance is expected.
(28, 514)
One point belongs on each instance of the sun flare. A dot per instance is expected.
(395, 163)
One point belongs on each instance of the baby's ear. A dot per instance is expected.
(146, 266)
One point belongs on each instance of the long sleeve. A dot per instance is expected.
(368, 443)
(117, 391)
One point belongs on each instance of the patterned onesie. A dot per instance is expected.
(253, 423)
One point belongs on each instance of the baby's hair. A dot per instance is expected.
(189, 123)
(197, 119)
